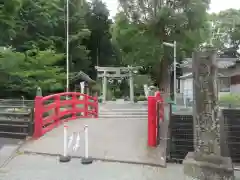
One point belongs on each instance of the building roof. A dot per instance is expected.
(221, 62)
(190, 75)
(82, 77)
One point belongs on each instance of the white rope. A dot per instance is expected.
(70, 140)
(77, 144)
(72, 143)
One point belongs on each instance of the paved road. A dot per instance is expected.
(7, 148)
(8, 141)
(112, 139)
(36, 167)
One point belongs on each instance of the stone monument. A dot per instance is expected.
(206, 162)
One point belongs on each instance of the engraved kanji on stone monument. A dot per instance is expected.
(206, 162)
(205, 92)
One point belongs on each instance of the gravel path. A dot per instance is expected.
(36, 167)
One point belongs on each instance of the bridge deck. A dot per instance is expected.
(109, 139)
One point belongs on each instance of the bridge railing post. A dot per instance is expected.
(38, 120)
(155, 114)
(86, 106)
(96, 106)
(152, 141)
(57, 109)
(74, 106)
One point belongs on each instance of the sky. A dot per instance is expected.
(216, 5)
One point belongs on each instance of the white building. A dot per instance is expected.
(228, 77)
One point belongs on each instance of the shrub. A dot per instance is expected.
(141, 98)
(232, 98)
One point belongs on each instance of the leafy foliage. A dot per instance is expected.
(230, 99)
(34, 34)
(25, 72)
(33, 42)
(143, 26)
(226, 31)
(102, 50)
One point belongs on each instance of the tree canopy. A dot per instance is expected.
(226, 31)
(33, 39)
(33, 42)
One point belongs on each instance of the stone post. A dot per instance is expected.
(39, 92)
(82, 86)
(104, 86)
(82, 89)
(131, 85)
(206, 162)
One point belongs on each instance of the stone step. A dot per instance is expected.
(124, 106)
(122, 116)
(122, 110)
(122, 113)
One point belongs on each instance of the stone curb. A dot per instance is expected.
(96, 159)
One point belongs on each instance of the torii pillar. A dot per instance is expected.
(104, 88)
(131, 86)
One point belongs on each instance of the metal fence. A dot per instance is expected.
(181, 135)
(231, 119)
(16, 102)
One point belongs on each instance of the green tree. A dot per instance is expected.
(9, 11)
(24, 72)
(226, 31)
(102, 51)
(138, 44)
(35, 30)
(41, 25)
(148, 24)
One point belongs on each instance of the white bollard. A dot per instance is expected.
(86, 140)
(65, 157)
(86, 159)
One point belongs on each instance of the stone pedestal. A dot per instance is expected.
(207, 167)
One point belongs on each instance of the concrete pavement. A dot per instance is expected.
(8, 147)
(123, 140)
(36, 167)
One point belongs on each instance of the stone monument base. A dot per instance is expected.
(207, 167)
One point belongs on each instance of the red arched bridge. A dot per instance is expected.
(118, 138)
(51, 111)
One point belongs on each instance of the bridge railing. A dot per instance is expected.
(52, 110)
(155, 117)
